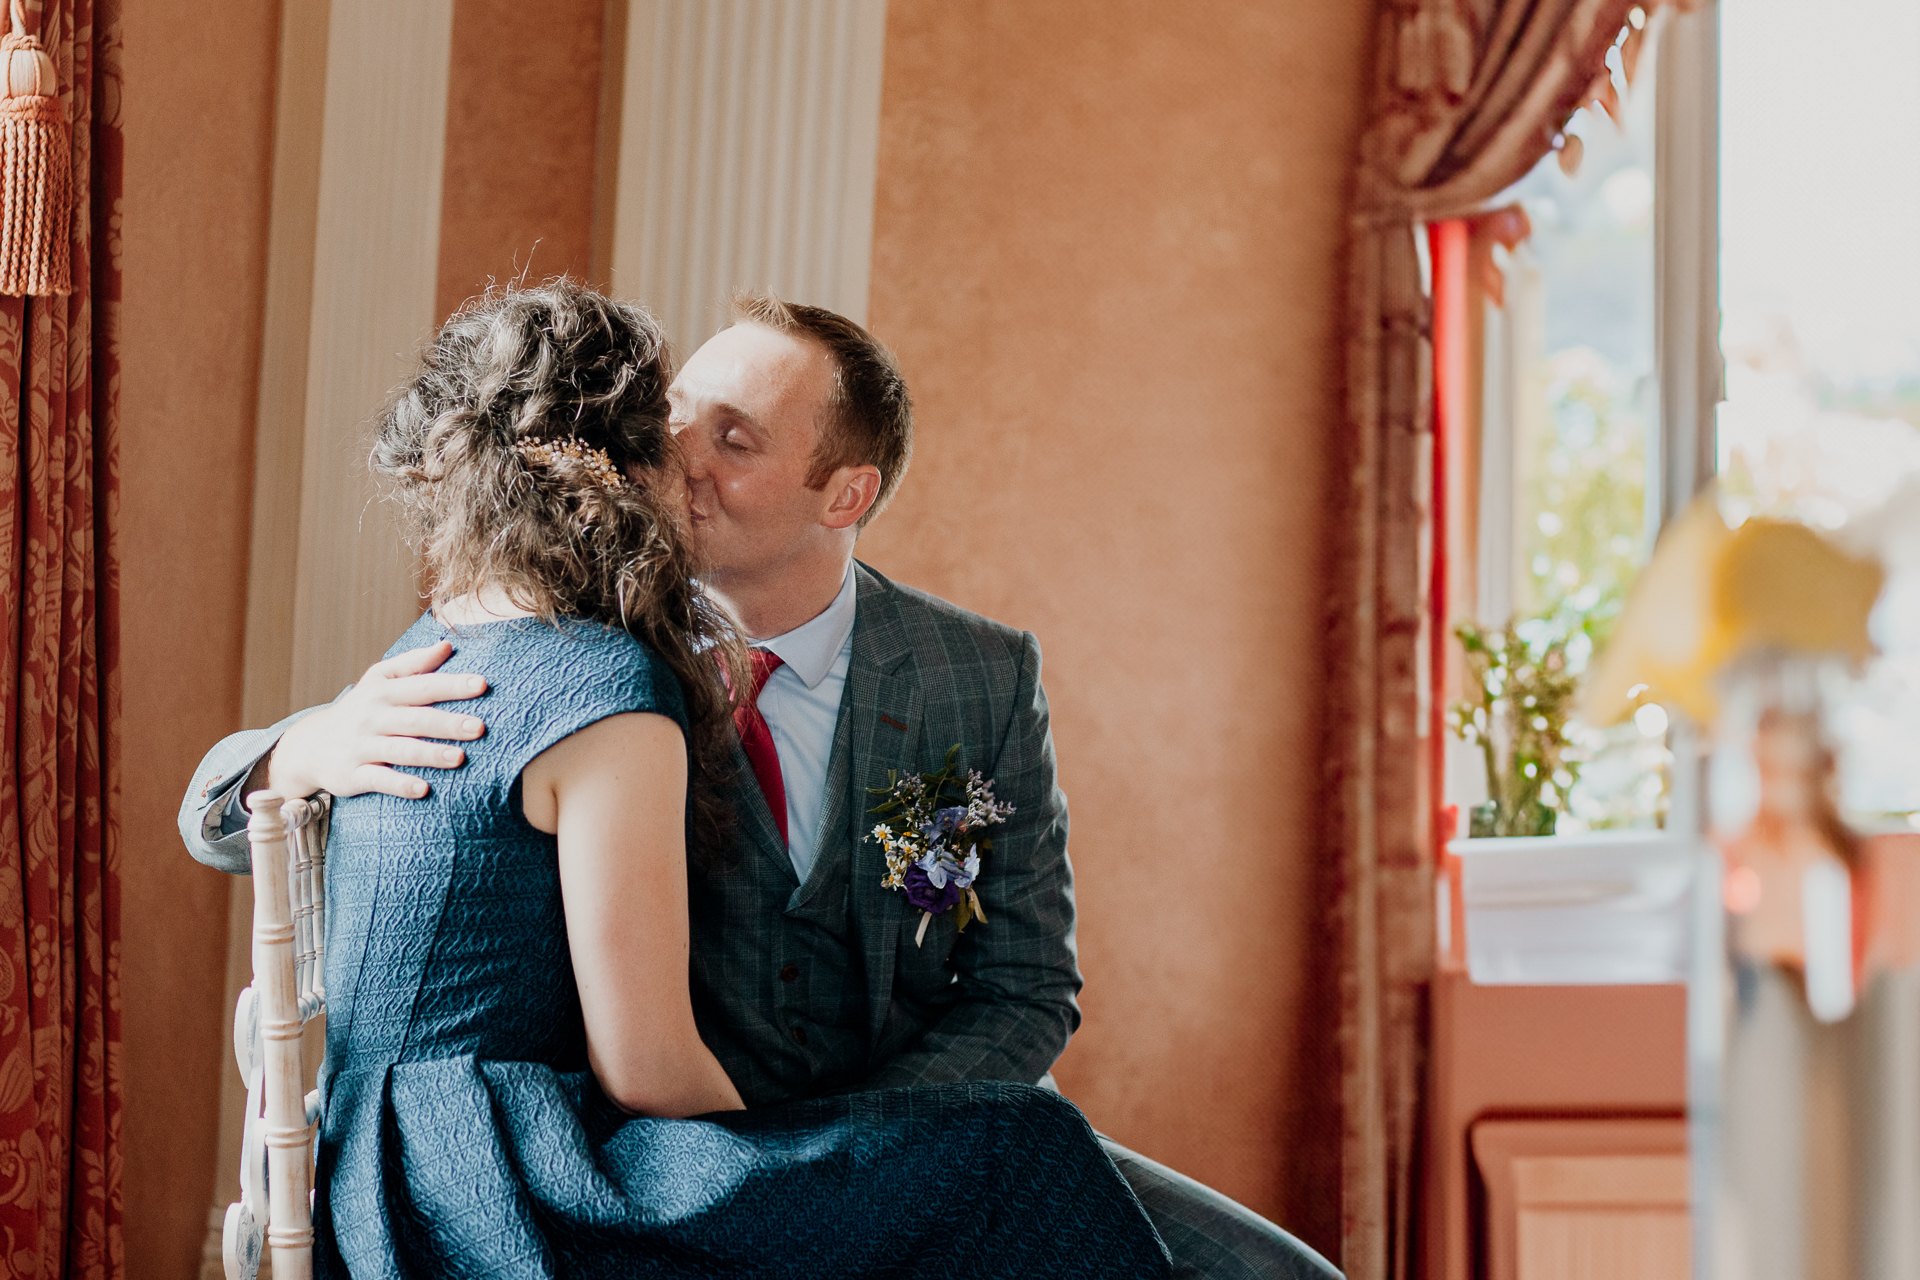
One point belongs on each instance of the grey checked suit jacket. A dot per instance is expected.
(802, 989)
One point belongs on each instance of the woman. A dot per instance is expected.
(511, 1051)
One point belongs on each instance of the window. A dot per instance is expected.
(1551, 463)
(1548, 423)
(1820, 272)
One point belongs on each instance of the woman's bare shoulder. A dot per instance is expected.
(627, 752)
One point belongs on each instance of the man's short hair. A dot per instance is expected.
(869, 415)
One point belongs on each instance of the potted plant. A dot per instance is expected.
(1525, 685)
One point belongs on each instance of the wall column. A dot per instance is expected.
(748, 135)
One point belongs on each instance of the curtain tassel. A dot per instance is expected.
(36, 182)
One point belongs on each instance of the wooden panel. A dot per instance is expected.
(1584, 1199)
(1577, 1244)
(1537, 1051)
(1601, 1217)
(1633, 1181)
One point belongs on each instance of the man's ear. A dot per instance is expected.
(850, 492)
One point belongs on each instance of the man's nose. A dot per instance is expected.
(695, 452)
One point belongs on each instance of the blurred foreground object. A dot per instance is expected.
(1712, 596)
(1741, 629)
(1805, 1024)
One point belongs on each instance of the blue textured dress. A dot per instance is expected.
(462, 1134)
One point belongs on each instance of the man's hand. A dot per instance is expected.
(346, 748)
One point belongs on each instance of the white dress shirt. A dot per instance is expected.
(801, 701)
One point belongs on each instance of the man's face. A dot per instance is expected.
(745, 410)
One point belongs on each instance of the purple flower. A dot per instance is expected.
(924, 895)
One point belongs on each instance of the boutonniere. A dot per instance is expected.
(933, 827)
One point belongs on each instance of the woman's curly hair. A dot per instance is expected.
(554, 363)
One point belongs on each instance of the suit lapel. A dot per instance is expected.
(760, 829)
(883, 705)
(834, 821)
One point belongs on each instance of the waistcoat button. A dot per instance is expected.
(790, 973)
(800, 1035)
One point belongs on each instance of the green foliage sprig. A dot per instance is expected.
(1518, 718)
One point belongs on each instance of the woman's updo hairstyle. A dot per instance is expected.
(497, 452)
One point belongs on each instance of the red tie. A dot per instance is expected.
(757, 739)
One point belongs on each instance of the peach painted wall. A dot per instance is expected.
(523, 101)
(198, 113)
(1108, 244)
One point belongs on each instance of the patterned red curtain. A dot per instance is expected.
(1467, 96)
(60, 1103)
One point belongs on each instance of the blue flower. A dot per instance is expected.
(937, 865)
(944, 822)
(940, 867)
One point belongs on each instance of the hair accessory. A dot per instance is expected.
(545, 453)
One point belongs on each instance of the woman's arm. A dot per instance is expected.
(616, 795)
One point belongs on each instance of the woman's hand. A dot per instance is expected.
(615, 794)
(348, 747)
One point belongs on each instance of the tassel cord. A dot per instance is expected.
(36, 179)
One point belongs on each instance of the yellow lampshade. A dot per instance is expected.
(1712, 594)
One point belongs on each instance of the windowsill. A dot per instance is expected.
(1607, 908)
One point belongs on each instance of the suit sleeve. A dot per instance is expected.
(221, 770)
(1018, 975)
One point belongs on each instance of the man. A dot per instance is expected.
(808, 975)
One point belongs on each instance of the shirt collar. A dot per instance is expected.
(810, 648)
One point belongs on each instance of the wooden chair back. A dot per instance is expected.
(275, 1208)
